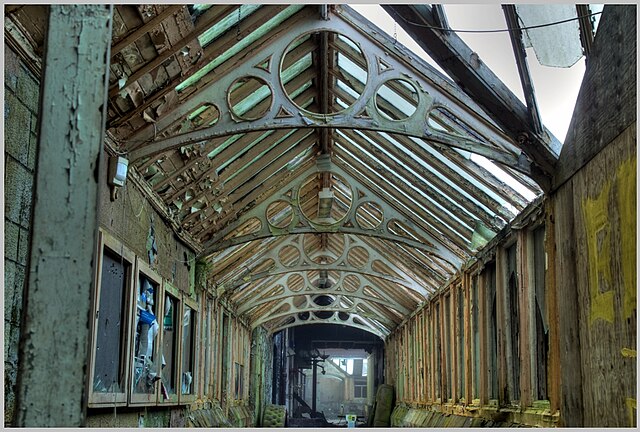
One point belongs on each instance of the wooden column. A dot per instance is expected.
(501, 286)
(52, 383)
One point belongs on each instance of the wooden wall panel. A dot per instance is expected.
(607, 100)
(604, 212)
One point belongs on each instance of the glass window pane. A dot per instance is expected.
(169, 346)
(108, 365)
(188, 332)
(239, 384)
(146, 327)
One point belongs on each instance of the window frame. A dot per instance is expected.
(532, 299)
(174, 292)
(99, 399)
(512, 321)
(193, 305)
(138, 399)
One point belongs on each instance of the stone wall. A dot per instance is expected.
(20, 122)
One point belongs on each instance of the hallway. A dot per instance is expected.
(279, 216)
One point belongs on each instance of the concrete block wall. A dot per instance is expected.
(21, 95)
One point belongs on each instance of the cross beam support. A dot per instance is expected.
(464, 67)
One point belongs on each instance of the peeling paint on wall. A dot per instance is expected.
(598, 228)
(626, 191)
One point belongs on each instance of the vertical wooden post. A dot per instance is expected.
(552, 302)
(55, 329)
(501, 287)
(483, 323)
(526, 303)
(468, 331)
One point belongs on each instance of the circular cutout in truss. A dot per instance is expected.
(351, 283)
(289, 256)
(325, 198)
(369, 215)
(249, 98)
(323, 300)
(295, 282)
(279, 214)
(343, 316)
(323, 250)
(397, 99)
(323, 314)
(303, 316)
(347, 72)
(204, 116)
(358, 257)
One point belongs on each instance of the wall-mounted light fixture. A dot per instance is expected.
(117, 174)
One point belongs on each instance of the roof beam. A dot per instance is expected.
(470, 73)
(145, 28)
(523, 68)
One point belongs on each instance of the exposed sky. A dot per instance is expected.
(556, 88)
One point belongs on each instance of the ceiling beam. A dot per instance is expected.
(145, 28)
(520, 54)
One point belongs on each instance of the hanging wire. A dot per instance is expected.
(395, 32)
(238, 37)
(496, 30)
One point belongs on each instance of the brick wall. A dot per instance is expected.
(20, 117)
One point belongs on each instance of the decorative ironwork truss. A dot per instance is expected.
(329, 174)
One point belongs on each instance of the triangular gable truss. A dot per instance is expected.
(284, 102)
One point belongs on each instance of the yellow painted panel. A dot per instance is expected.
(598, 229)
(626, 185)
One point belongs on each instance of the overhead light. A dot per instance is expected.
(325, 201)
(117, 174)
(118, 167)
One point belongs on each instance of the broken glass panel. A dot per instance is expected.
(188, 334)
(146, 329)
(545, 40)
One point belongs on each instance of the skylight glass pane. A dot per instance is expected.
(352, 68)
(412, 200)
(213, 153)
(226, 23)
(414, 188)
(504, 176)
(245, 149)
(242, 44)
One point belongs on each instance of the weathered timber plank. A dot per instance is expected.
(65, 218)
(605, 218)
(571, 407)
(607, 100)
